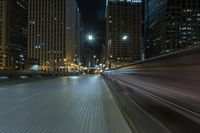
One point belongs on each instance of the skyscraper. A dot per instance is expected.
(124, 31)
(171, 25)
(53, 34)
(13, 34)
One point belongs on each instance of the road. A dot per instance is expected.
(60, 105)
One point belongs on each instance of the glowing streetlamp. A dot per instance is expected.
(90, 37)
(125, 37)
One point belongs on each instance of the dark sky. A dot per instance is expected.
(93, 14)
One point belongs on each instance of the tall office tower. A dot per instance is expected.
(171, 25)
(13, 34)
(124, 31)
(52, 33)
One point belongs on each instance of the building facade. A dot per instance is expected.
(13, 34)
(171, 25)
(53, 33)
(123, 32)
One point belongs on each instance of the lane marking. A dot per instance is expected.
(29, 97)
(12, 86)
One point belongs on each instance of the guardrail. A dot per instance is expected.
(185, 63)
(184, 57)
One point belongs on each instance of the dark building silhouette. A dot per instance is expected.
(13, 34)
(124, 31)
(171, 25)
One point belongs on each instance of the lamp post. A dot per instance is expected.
(109, 56)
(90, 39)
(124, 39)
(110, 63)
(67, 63)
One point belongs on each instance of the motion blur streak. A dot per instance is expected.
(167, 88)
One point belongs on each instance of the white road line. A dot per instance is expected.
(29, 97)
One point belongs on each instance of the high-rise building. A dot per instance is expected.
(124, 31)
(13, 34)
(53, 33)
(171, 25)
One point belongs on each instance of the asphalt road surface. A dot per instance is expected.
(61, 105)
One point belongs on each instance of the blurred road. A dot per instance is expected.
(61, 105)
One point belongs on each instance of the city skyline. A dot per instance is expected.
(55, 38)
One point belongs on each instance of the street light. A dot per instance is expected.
(125, 37)
(90, 38)
(110, 63)
(67, 63)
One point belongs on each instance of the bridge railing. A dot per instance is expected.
(182, 64)
(184, 57)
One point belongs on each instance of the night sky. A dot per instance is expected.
(93, 14)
